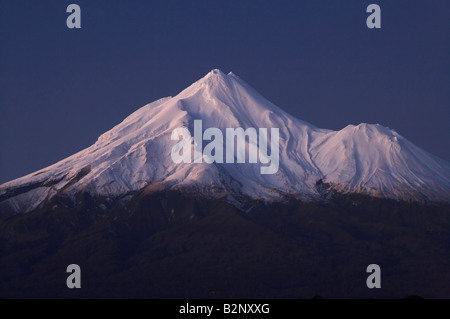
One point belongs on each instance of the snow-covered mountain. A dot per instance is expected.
(136, 156)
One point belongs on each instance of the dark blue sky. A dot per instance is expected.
(60, 88)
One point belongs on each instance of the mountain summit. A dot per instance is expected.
(313, 163)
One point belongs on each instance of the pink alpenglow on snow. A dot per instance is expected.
(142, 151)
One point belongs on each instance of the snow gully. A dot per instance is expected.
(235, 143)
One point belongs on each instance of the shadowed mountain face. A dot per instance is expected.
(141, 225)
(167, 245)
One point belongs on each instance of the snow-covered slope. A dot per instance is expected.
(136, 155)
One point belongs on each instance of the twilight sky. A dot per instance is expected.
(60, 88)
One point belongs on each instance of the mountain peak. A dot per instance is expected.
(213, 81)
(214, 74)
(216, 78)
(136, 154)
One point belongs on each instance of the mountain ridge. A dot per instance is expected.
(135, 154)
